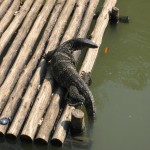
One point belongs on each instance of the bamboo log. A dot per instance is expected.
(21, 35)
(62, 127)
(27, 101)
(97, 35)
(61, 24)
(28, 132)
(86, 23)
(25, 53)
(28, 72)
(75, 20)
(82, 33)
(37, 110)
(49, 120)
(4, 7)
(1, 1)
(4, 22)
(77, 121)
(12, 104)
(7, 35)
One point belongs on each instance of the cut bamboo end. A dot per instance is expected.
(57, 142)
(41, 141)
(50, 117)
(62, 127)
(114, 15)
(11, 136)
(26, 138)
(77, 121)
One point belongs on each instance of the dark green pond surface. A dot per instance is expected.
(121, 87)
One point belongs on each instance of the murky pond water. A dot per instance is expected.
(121, 87)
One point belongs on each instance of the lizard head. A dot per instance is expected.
(80, 43)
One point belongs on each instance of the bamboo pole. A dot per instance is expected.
(50, 118)
(4, 22)
(4, 7)
(7, 35)
(27, 102)
(97, 34)
(21, 35)
(37, 110)
(12, 105)
(61, 24)
(25, 105)
(1, 1)
(25, 52)
(86, 23)
(28, 132)
(62, 127)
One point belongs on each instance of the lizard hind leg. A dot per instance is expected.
(75, 98)
(86, 76)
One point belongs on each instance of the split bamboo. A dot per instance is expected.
(27, 100)
(21, 35)
(49, 119)
(4, 7)
(28, 132)
(87, 66)
(25, 53)
(4, 22)
(7, 35)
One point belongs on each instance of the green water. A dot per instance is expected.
(122, 83)
(121, 87)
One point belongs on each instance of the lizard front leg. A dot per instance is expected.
(86, 76)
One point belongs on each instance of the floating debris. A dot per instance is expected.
(106, 50)
(5, 121)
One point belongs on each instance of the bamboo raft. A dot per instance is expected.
(28, 29)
